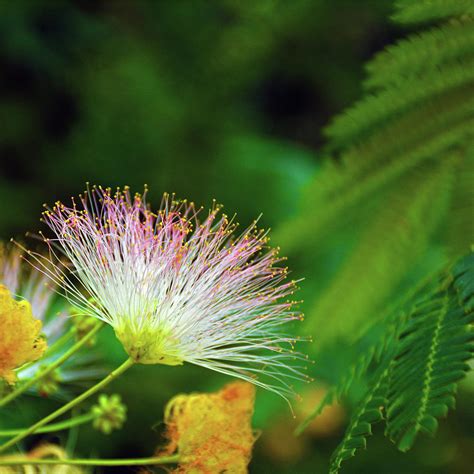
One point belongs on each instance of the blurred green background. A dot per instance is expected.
(206, 99)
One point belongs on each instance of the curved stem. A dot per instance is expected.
(61, 341)
(92, 462)
(42, 373)
(32, 429)
(62, 425)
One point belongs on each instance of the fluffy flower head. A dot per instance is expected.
(176, 287)
(212, 432)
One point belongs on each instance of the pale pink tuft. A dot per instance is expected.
(176, 287)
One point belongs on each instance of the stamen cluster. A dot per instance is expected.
(176, 288)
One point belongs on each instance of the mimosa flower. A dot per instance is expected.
(176, 288)
(20, 340)
(212, 432)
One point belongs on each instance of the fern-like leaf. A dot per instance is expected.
(378, 339)
(425, 354)
(368, 355)
(417, 123)
(434, 347)
(420, 11)
(374, 110)
(414, 56)
(423, 111)
(369, 411)
(333, 193)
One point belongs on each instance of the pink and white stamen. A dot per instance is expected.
(177, 288)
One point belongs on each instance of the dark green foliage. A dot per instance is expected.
(419, 114)
(419, 360)
(421, 111)
(404, 164)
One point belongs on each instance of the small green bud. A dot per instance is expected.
(110, 413)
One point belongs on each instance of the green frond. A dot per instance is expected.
(432, 354)
(394, 150)
(373, 346)
(459, 229)
(367, 413)
(388, 134)
(420, 11)
(413, 57)
(405, 164)
(432, 131)
(403, 224)
(354, 372)
(377, 109)
(424, 354)
(422, 125)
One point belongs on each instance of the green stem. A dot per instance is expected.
(92, 462)
(61, 341)
(32, 429)
(53, 366)
(62, 425)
